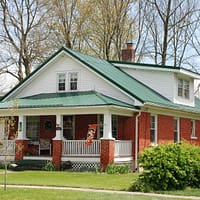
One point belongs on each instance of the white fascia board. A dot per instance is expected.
(173, 69)
(70, 110)
(170, 111)
(189, 73)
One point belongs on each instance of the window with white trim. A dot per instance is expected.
(176, 130)
(153, 130)
(73, 80)
(183, 88)
(61, 82)
(193, 134)
(32, 127)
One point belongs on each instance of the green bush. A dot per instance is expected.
(50, 166)
(117, 169)
(168, 167)
(66, 165)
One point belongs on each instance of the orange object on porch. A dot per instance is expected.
(90, 134)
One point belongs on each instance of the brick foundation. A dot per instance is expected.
(57, 153)
(107, 152)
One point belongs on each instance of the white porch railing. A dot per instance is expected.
(79, 148)
(7, 148)
(123, 148)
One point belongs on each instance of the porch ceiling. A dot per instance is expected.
(59, 100)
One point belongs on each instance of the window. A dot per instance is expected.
(33, 127)
(176, 130)
(183, 88)
(61, 81)
(153, 130)
(114, 126)
(193, 135)
(68, 127)
(73, 81)
(100, 127)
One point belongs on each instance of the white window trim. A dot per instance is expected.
(183, 88)
(57, 81)
(68, 82)
(193, 130)
(155, 143)
(178, 129)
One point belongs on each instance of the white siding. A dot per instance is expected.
(46, 80)
(164, 82)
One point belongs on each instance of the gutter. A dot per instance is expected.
(136, 141)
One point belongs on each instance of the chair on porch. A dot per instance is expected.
(44, 144)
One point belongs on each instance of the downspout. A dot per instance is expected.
(136, 141)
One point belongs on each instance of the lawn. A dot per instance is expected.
(32, 194)
(72, 179)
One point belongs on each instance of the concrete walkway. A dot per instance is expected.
(100, 191)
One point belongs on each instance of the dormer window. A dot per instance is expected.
(73, 81)
(183, 88)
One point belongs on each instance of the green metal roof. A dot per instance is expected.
(72, 99)
(119, 78)
(110, 72)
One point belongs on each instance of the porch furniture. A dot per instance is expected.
(44, 144)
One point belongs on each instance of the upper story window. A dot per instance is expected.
(61, 81)
(64, 84)
(73, 81)
(183, 88)
(153, 130)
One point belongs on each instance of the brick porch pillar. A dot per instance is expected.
(107, 152)
(107, 142)
(57, 142)
(20, 149)
(57, 153)
(21, 143)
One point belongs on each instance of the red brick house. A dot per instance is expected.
(131, 105)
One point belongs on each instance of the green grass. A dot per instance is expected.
(32, 194)
(70, 179)
(74, 179)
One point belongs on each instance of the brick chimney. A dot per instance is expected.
(128, 54)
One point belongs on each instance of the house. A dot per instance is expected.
(126, 105)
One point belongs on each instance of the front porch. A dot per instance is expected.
(81, 155)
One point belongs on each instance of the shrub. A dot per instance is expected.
(120, 169)
(168, 167)
(67, 165)
(50, 166)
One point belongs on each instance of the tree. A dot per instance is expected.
(22, 37)
(111, 27)
(63, 25)
(167, 28)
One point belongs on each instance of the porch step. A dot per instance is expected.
(29, 165)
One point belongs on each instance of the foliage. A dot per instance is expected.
(66, 165)
(117, 169)
(50, 166)
(169, 167)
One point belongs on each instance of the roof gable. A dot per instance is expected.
(111, 73)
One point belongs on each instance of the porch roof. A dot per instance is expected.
(69, 99)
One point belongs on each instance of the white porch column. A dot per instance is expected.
(107, 128)
(59, 127)
(22, 128)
